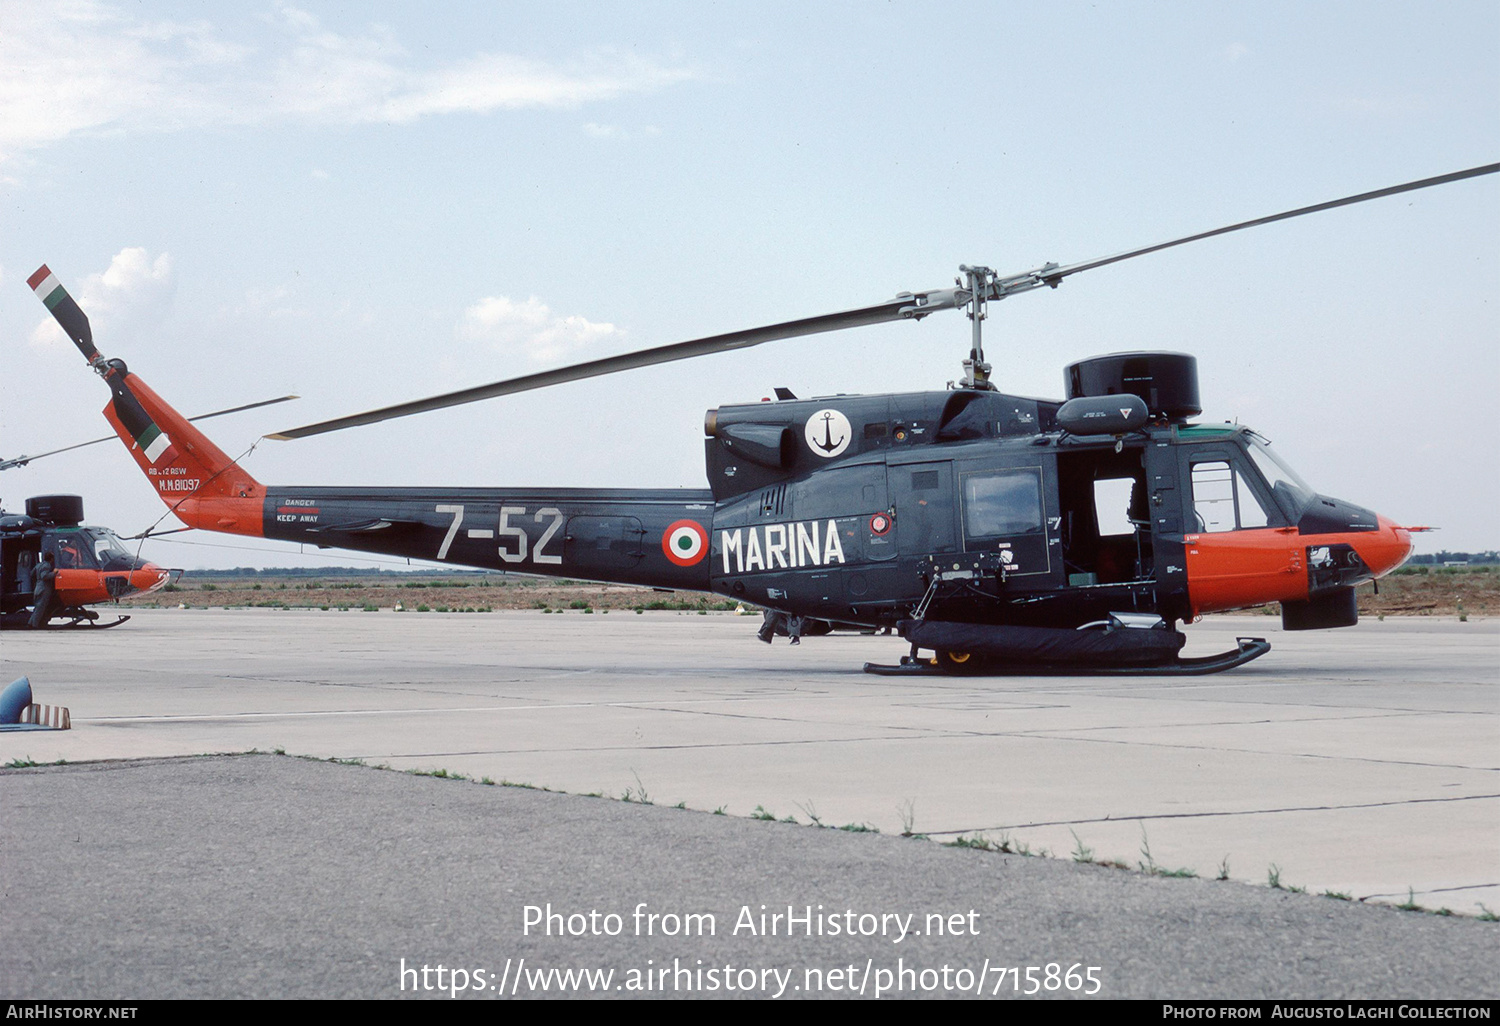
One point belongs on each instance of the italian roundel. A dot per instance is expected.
(685, 542)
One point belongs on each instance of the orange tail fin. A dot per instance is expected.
(202, 486)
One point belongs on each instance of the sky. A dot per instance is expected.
(364, 204)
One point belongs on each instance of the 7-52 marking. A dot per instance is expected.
(514, 541)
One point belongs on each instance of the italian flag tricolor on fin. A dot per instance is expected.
(154, 442)
(47, 288)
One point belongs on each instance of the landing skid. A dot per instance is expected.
(1249, 648)
(91, 622)
(73, 618)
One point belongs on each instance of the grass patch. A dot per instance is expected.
(441, 774)
(638, 793)
(1081, 852)
(1151, 867)
(811, 812)
(908, 813)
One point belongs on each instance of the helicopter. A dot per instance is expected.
(1004, 534)
(93, 563)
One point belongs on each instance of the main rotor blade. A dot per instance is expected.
(1052, 275)
(21, 461)
(905, 306)
(901, 307)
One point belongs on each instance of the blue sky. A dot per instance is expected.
(368, 204)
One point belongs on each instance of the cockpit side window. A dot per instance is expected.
(71, 551)
(1222, 501)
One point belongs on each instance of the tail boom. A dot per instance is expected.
(655, 537)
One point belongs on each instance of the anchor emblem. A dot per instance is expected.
(828, 444)
(827, 433)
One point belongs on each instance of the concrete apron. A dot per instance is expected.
(1363, 761)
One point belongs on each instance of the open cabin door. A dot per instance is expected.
(1106, 509)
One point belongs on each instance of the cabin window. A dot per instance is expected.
(1113, 500)
(1222, 501)
(1003, 504)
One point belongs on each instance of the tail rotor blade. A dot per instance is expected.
(21, 461)
(74, 322)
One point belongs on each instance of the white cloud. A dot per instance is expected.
(133, 294)
(530, 328)
(494, 81)
(599, 131)
(82, 66)
(603, 131)
(271, 302)
(1234, 51)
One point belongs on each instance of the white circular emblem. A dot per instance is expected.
(828, 433)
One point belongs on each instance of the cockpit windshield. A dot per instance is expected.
(110, 551)
(1291, 492)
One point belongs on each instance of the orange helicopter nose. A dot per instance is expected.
(1385, 549)
(148, 578)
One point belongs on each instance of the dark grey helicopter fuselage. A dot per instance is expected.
(840, 508)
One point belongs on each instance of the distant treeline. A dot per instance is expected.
(344, 571)
(1439, 558)
(1426, 559)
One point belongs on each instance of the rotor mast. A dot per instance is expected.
(977, 282)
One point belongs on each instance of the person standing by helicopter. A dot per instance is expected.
(43, 591)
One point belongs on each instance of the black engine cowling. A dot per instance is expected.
(62, 510)
(1168, 382)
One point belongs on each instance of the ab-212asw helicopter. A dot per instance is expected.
(987, 528)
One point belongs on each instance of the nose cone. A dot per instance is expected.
(1386, 548)
(148, 577)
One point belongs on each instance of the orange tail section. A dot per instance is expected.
(202, 486)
